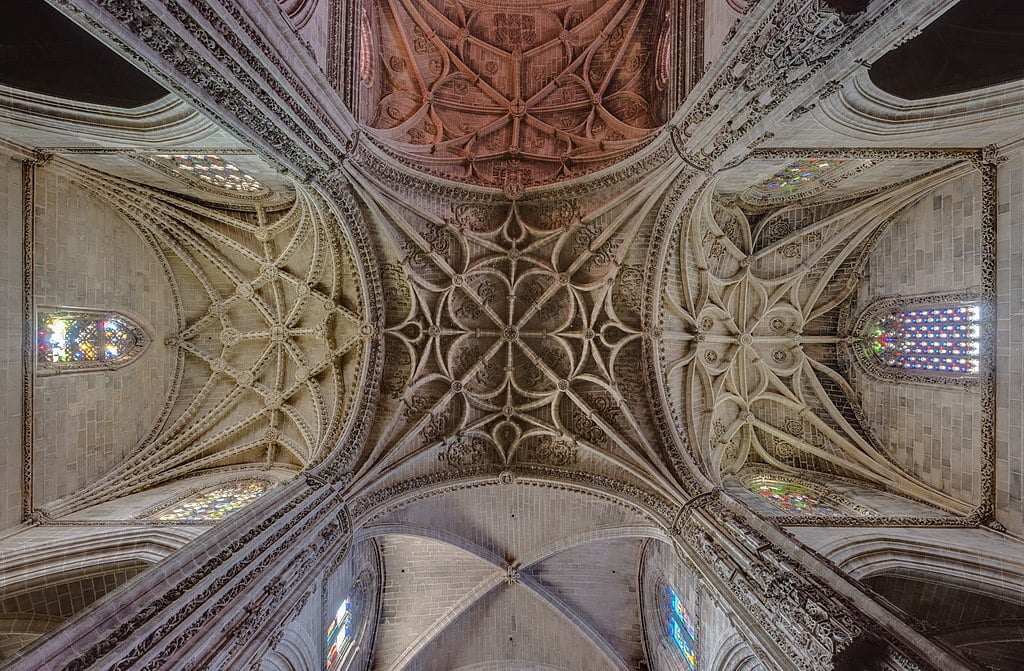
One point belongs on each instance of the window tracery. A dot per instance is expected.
(795, 175)
(215, 171)
(85, 339)
(942, 339)
(217, 503)
(680, 629)
(925, 339)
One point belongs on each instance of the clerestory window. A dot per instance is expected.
(215, 504)
(72, 339)
(795, 175)
(213, 170)
(932, 340)
(795, 499)
(340, 635)
(679, 628)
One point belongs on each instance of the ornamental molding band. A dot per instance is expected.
(544, 91)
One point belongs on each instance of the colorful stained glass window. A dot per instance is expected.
(83, 338)
(214, 170)
(940, 340)
(796, 174)
(339, 636)
(217, 503)
(795, 499)
(680, 629)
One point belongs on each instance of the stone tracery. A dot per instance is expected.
(516, 334)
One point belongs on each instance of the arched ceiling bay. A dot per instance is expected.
(271, 341)
(505, 576)
(513, 94)
(42, 51)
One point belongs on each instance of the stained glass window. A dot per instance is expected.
(941, 340)
(217, 503)
(214, 170)
(680, 629)
(84, 338)
(796, 174)
(339, 636)
(795, 499)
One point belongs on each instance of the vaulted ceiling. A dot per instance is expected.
(513, 94)
(511, 310)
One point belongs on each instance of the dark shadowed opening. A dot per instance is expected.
(43, 51)
(975, 44)
(848, 6)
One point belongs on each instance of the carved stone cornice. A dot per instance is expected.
(779, 47)
(786, 607)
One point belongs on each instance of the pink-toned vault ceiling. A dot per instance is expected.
(510, 93)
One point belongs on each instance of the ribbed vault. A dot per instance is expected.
(510, 575)
(271, 339)
(751, 306)
(513, 94)
(568, 365)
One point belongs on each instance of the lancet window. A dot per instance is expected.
(84, 339)
(340, 635)
(680, 630)
(216, 503)
(931, 340)
(215, 171)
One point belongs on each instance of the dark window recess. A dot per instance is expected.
(43, 51)
(848, 6)
(975, 44)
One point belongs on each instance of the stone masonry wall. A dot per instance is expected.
(933, 247)
(87, 256)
